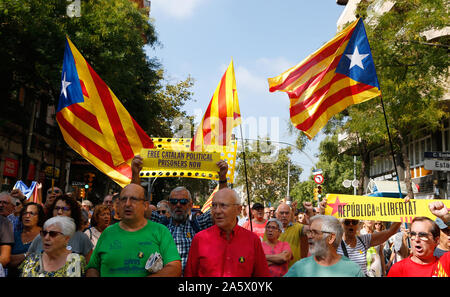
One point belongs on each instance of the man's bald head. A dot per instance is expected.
(134, 188)
(230, 193)
(283, 214)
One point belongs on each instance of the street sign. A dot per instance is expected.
(318, 179)
(435, 164)
(317, 171)
(433, 155)
(347, 183)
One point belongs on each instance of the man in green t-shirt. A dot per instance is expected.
(124, 248)
(324, 237)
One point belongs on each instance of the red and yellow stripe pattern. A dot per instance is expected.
(100, 129)
(208, 202)
(316, 91)
(221, 116)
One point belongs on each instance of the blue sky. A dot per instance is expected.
(264, 38)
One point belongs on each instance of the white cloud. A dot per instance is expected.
(274, 66)
(179, 9)
(250, 81)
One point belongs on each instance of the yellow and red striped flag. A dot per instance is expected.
(339, 74)
(93, 121)
(221, 116)
(208, 202)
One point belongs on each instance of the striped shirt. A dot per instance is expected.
(358, 254)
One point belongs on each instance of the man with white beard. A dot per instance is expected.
(324, 237)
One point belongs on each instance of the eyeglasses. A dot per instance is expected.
(422, 235)
(315, 232)
(222, 206)
(63, 208)
(272, 228)
(161, 211)
(52, 234)
(30, 213)
(283, 213)
(183, 201)
(56, 191)
(353, 222)
(132, 199)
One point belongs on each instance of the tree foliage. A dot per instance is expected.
(267, 171)
(110, 34)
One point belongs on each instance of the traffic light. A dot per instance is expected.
(82, 193)
(316, 194)
(319, 191)
(88, 180)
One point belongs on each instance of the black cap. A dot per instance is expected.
(257, 206)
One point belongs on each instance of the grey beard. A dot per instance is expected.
(179, 218)
(319, 248)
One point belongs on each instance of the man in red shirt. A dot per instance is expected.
(424, 236)
(258, 221)
(226, 249)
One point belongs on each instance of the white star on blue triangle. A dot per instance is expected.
(356, 61)
(71, 92)
(64, 85)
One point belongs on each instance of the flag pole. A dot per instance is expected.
(393, 158)
(246, 180)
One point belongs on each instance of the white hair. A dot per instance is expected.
(330, 224)
(280, 224)
(179, 189)
(65, 224)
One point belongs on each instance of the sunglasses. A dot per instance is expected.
(52, 234)
(183, 201)
(161, 211)
(354, 223)
(56, 191)
(63, 208)
(422, 235)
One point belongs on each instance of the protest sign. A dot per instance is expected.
(378, 208)
(179, 161)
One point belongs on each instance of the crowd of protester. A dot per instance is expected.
(125, 235)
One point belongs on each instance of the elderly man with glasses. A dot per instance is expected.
(6, 231)
(182, 228)
(226, 249)
(324, 237)
(135, 246)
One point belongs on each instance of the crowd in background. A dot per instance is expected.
(66, 237)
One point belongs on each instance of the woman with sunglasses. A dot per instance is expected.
(56, 260)
(100, 220)
(79, 242)
(355, 247)
(32, 217)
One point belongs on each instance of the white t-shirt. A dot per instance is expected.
(358, 254)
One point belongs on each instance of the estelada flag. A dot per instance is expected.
(93, 121)
(31, 193)
(339, 74)
(221, 116)
(208, 202)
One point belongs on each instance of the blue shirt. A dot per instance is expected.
(184, 233)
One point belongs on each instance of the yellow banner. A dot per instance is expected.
(176, 160)
(378, 208)
(178, 145)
